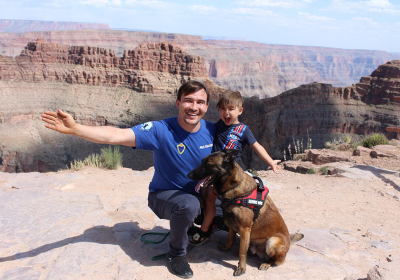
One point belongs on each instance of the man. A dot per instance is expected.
(178, 146)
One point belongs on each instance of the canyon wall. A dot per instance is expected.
(324, 113)
(252, 68)
(97, 88)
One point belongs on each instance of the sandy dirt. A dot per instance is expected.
(364, 209)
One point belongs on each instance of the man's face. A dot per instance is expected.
(192, 108)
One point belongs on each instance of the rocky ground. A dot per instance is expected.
(87, 225)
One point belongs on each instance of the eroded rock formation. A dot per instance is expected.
(249, 67)
(43, 61)
(322, 112)
(96, 87)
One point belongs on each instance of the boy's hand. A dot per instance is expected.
(275, 166)
(61, 121)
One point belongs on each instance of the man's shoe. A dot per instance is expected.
(179, 266)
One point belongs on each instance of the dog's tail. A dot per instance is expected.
(295, 237)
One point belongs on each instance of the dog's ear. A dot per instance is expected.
(230, 154)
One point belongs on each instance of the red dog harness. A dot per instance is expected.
(254, 200)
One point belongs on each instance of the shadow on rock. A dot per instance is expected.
(128, 237)
(378, 172)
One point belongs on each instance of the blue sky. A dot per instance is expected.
(348, 24)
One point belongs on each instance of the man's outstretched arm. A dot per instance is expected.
(64, 123)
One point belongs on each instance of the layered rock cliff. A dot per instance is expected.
(323, 112)
(252, 68)
(43, 61)
(97, 88)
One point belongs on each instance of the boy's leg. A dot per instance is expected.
(181, 208)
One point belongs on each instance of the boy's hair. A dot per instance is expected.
(230, 98)
(191, 87)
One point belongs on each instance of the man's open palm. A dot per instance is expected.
(61, 121)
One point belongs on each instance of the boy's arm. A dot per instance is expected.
(64, 123)
(265, 156)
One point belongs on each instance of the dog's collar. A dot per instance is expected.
(255, 200)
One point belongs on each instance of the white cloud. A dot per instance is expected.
(203, 9)
(100, 3)
(286, 4)
(143, 2)
(251, 12)
(379, 4)
(373, 6)
(314, 17)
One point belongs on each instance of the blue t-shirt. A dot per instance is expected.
(235, 136)
(176, 152)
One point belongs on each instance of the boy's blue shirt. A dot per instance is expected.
(235, 136)
(176, 152)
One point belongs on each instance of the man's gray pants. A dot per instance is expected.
(180, 208)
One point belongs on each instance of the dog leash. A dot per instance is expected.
(158, 257)
(162, 256)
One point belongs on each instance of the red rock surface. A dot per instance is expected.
(323, 112)
(96, 87)
(43, 61)
(252, 68)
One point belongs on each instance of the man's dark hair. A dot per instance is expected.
(190, 87)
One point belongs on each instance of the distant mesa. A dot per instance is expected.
(42, 61)
(254, 69)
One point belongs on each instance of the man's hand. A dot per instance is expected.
(61, 121)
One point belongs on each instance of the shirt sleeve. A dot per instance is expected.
(149, 135)
(248, 135)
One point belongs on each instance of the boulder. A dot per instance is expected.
(325, 156)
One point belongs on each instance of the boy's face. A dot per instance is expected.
(229, 114)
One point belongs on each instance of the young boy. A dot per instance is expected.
(230, 134)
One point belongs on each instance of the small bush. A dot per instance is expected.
(344, 144)
(324, 170)
(111, 158)
(92, 160)
(311, 171)
(347, 139)
(374, 139)
(328, 144)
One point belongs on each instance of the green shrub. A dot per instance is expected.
(92, 160)
(374, 139)
(328, 144)
(347, 139)
(111, 158)
(324, 170)
(311, 171)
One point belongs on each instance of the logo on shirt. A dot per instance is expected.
(145, 126)
(181, 148)
(233, 136)
(206, 146)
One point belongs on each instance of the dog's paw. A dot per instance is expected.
(264, 266)
(239, 271)
(223, 247)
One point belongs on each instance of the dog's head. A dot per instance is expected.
(215, 165)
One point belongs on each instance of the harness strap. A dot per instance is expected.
(254, 201)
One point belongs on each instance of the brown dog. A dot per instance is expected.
(267, 235)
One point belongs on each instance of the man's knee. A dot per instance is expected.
(190, 208)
